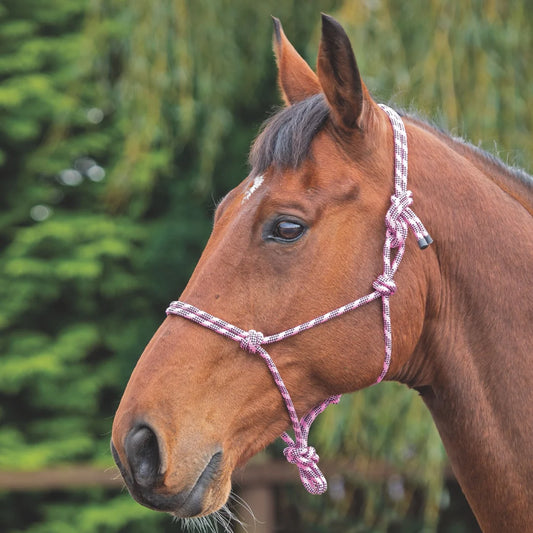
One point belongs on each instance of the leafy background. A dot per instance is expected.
(121, 123)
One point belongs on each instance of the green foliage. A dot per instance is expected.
(88, 511)
(56, 277)
(121, 123)
(464, 64)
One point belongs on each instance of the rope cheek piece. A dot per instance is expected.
(398, 220)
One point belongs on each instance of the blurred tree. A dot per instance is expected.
(121, 123)
(463, 64)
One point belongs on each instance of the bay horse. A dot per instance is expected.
(304, 234)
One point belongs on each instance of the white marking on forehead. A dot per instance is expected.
(258, 181)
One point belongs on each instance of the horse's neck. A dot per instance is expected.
(476, 350)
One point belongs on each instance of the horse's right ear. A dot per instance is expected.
(296, 79)
(339, 77)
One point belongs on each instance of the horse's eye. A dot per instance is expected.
(288, 231)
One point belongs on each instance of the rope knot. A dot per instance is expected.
(402, 200)
(252, 341)
(396, 219)
(306, 459)
(385, 285)
(302, 457)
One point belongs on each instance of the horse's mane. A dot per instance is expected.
(463, 146)
(286, 136)
(285, 139)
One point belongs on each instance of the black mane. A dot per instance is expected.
(285, 137)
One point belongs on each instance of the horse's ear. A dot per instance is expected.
(339, 77)
(296, 79)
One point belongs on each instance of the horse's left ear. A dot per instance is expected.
(296, 79)
(339, 77)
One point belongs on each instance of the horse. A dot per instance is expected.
(324, 217)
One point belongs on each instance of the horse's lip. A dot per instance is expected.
(192, 505)
(184, 504)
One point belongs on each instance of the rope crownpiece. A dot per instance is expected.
(400, 216)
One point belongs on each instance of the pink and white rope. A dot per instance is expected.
(398, 220)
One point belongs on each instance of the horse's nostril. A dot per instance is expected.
(142, 451)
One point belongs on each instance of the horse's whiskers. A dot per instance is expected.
(237, 500)
(202, 524)
(222, 520)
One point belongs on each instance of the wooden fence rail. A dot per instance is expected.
(255, 483)
(269, 472)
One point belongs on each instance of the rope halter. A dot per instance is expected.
(398, 220)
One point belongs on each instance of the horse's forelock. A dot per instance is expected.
(286, 137)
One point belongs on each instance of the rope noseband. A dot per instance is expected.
(399, 218)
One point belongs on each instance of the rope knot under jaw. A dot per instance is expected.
(252, 341)
(384, 285)
(306, 459)
(301, 456)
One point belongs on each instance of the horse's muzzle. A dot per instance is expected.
(144, 478)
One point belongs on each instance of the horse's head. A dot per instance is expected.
(301, 235)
